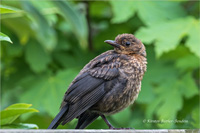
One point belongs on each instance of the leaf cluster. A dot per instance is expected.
(11, 113)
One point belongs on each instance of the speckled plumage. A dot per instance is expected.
(107, 84)
(131, 70)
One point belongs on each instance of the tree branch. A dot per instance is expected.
(90, 46)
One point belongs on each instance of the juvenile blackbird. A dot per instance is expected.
(106, 85)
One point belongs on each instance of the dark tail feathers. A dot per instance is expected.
(59, 118)
(85, 119)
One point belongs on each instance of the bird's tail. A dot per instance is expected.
(59, 117)
(85, 119)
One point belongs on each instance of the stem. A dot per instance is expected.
(90, 46)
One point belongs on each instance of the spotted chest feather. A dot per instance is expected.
(119, 97)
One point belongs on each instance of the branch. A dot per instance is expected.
(90, 46)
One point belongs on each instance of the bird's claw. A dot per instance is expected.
(113, 128)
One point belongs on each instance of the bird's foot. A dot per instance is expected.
(113, 128)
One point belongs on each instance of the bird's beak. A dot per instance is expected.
(113, 43)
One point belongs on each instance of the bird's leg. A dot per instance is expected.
(110, 126)
(107, 122)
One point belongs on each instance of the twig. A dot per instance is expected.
(90, 46)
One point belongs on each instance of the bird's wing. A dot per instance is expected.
(90, 86)
(105, 67)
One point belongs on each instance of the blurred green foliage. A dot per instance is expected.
(11, 113)
(51, 45)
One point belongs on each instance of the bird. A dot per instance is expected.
(106, 85)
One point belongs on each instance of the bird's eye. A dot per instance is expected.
(128, 43)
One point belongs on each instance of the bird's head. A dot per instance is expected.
(127, 44)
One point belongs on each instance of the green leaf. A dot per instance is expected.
(103, 9)
(20, 126)
(150, 12)
(137, 118)
(36, 57)
(7, 9)
(77, 60)
(167, 104)
(63, 59)
(12, 112)
(4, 37)
(13, 50)
(15, 111)
(76, 19)
(169, 101)
(22, 30)
(49, 91)
(169, 89)
(19, 105)
(123, 116)
(187, 86)
(194, 37)
(146, 94)
(183, 64)
(195, 117)
(165, 39)
(168, 110)
(122, 10)
(45, 34)
(48, 10)
(177, 54)
(153, 12)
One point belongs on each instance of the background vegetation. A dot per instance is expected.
(53, 40)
